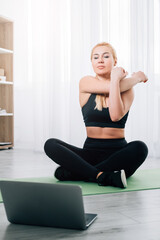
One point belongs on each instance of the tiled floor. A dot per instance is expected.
(121, 216)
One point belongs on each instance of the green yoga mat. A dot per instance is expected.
(141, 180)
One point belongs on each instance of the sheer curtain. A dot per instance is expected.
(62, 34)
(156, 95)
(50, 78)
(142, 58)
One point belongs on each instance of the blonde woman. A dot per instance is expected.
(105, 99)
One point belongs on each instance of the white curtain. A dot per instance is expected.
(145, 56)
(61, 36)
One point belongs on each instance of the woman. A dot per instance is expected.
(105, 100)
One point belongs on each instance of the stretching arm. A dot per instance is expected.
(127, 83)
(116, 107)
(119, 103)
(89, 84)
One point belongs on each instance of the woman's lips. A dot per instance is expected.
(100, 67)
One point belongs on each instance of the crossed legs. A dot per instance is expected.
(87, 163)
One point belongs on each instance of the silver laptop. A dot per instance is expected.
(45, 204)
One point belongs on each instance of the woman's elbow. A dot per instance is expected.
(115, 117)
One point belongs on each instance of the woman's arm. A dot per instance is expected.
(90, 84)
(119, 103)
(127, 83)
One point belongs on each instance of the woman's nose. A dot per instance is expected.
(100, 59)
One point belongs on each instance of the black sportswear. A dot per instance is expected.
(94, 117)
(106, 155)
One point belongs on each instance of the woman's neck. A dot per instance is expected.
(103, 77)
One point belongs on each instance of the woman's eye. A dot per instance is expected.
(104, 56)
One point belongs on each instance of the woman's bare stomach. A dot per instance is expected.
(107, 133)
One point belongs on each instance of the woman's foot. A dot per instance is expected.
(115, 179)
(63, 174)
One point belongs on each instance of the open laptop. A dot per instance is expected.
(45, 204)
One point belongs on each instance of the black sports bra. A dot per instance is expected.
(98, 118)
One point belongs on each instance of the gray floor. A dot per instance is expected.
(121, 216)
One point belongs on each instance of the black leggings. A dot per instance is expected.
(97, 155)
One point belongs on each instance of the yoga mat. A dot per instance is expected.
(141, 180)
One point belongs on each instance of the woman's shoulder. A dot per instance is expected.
(86, 84)
(84, 96)
(87, 77)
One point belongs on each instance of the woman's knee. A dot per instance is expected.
(50, 144)
(140, 149)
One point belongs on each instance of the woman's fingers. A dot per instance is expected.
(140, 75)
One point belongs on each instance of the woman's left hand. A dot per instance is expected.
(118, 73)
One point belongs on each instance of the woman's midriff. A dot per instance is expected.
(99, 132)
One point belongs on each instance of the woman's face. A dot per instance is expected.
(102, 60)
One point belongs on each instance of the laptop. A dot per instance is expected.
(45, 204)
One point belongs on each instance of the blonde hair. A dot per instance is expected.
(100, 98)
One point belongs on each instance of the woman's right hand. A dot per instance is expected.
(140, 76)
